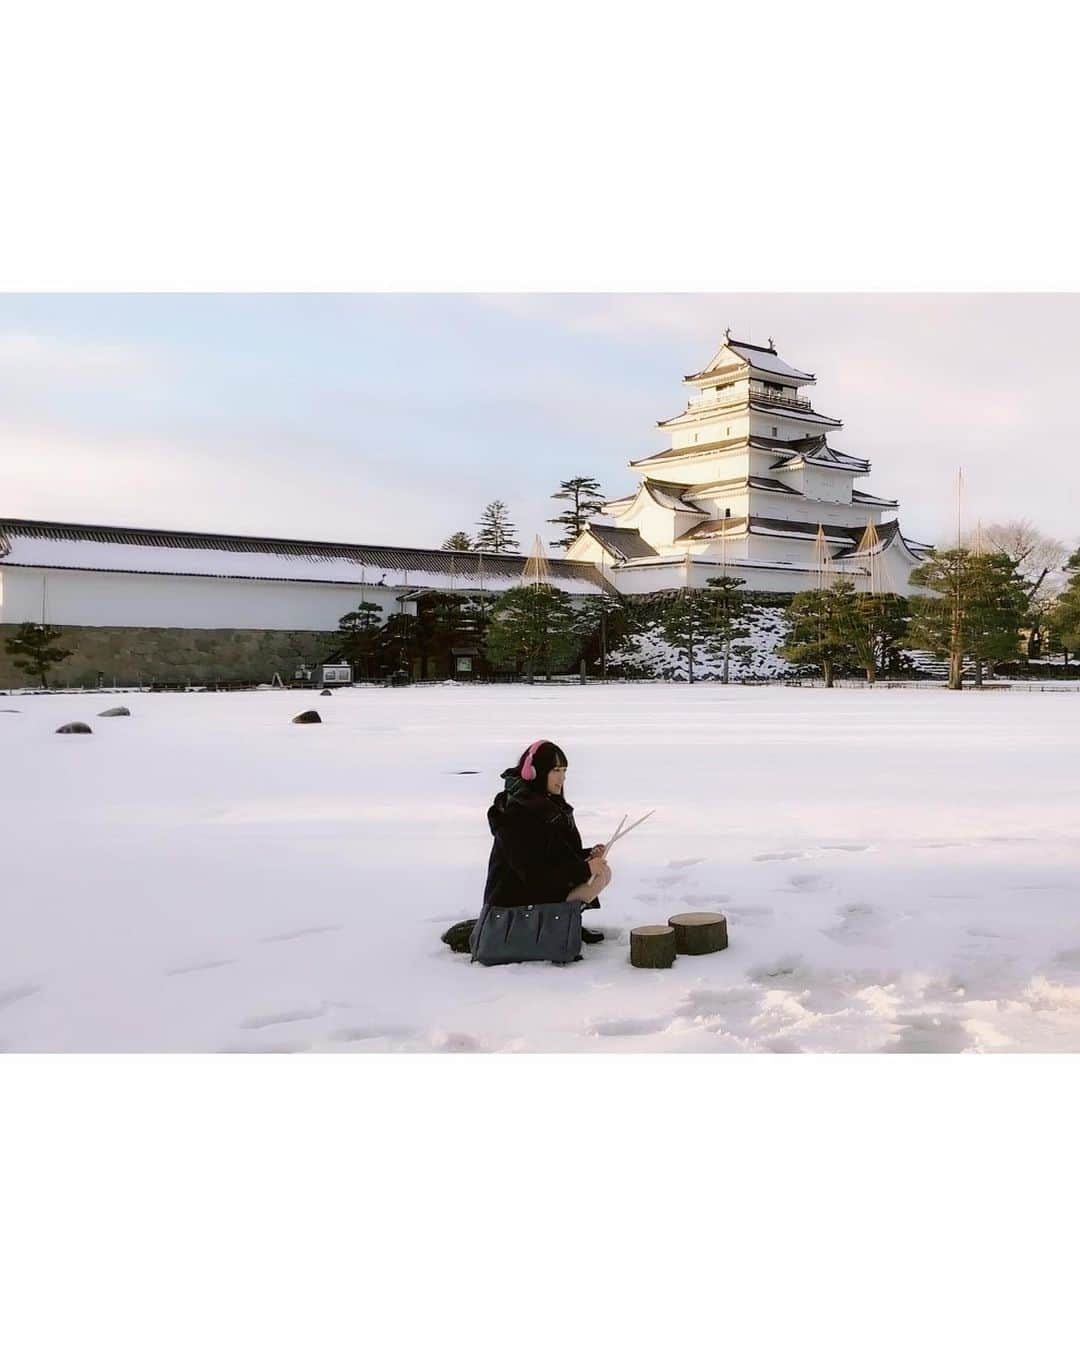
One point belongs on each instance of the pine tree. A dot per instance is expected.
(533, 629)
(458, 541)
(1065, 614)
(586, 499)
(358, 633)
(495, 532)
(880, 623)
(975, 608)
(34, 649)
(725, 616)
(686, 623)
(605, 622)
(822, 626)
(998, 611)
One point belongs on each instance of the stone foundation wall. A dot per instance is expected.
(134, 655)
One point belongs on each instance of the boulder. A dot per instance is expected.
(326, 692)
(75, 727)
(114, 713)
(308, 717)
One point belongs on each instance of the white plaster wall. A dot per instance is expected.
(728, 422)
(88, 598)
(762, 422)
(586, 548)
(710, 467)
(773, 506)
(651, 579)
(783, 549)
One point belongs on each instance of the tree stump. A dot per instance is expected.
(699, 932)
(308, 717)
(75, 727)
(652, 946)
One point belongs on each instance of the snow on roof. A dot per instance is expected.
(669, 494)
(761, 357)
(157, 552)
(863, 498)
(821, 454)
(789, 411)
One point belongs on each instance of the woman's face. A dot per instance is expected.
(556, 780)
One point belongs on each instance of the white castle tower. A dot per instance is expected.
(750, 484)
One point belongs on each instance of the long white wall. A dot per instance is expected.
(89, 598)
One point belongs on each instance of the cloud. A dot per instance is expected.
(225, 484)
(28, 355)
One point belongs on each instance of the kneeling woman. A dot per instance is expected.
(537, 855)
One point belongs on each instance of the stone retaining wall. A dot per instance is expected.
(134, 655)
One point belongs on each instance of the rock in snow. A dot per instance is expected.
(308, 717)
(114, 713)
(75, 727)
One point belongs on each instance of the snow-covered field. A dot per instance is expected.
(898, 869)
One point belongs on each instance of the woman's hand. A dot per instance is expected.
(598, 866)
(597, 852)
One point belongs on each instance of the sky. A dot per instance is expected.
(396, 418)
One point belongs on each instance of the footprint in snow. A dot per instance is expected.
(302, 933)
(266, 1048)
(443, 1041)
(207, 966)
(860, 923)
(11, 995)
(670, 880)
(844, 846)
(705, 1001)
(620, 1028)
(283, 1017)
(787, 966)
(750, 915)
(808, 883)
(768, 856)
(685, 864)
(365, 1032)
(928, 1033)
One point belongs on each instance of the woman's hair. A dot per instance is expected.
(542, 757)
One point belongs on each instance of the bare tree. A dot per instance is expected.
(1038, 560)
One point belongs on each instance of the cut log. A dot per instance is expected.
(699, 931)
(652, 946)
(308, 717)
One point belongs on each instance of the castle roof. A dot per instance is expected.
(624, 544)
(850, 538)
(669, 495)
(821, 454)
(763, 358)
(155, 551)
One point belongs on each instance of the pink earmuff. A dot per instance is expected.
(528, 771)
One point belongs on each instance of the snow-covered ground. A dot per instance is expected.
(898, 868)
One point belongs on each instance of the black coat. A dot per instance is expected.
(537, 855)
